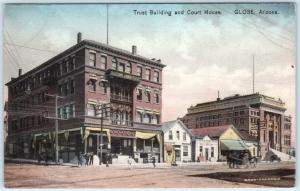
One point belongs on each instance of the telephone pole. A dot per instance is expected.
(253, 71)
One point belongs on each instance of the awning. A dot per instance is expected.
(143, 135)
(88, 129)
(169, 147)
(233, 145)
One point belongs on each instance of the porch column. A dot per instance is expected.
(161, 152)
(134, 145)
(85, 145)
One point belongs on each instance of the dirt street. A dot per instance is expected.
(35, 176)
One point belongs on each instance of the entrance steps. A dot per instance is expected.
(282, 156)
(122, 159)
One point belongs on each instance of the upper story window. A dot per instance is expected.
(156, 97)
(91, 109)
(139, 117)
(139, 71)
(184, 136)
(177, 135)
(72, 110)
(60, 89)
(103, 62)
(66, 88)
(92, 59)
(156, 76)
(148, 96)
(114, 64)
(147, 118)
(139, 95)
(155, 119)
(121, 67)
(71, 66)
(103, 87)
(148, 74)
(64, 67)
(170, 135)
(128, 68)
(72, 86)
(92, 85)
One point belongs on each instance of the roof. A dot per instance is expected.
(166, 126)
(93, 44)
(215, 131)
(246, 136)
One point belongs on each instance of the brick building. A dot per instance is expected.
(245, 113)
(88, 75)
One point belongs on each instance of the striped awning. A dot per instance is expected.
(233, 145)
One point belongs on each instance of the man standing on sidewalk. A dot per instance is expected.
(153, 161)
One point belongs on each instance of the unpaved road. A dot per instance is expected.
(35, 176)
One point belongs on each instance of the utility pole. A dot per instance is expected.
(258, 138)
(103, 110)
(253, 71)
(56, 97)
(107, 23)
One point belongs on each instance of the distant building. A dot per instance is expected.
(205, 149)
(216, 142)
(88, 75)
(246, 112)
(177, 141)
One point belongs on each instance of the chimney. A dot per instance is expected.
(20, 72)
(78, 37)
(159, 60)
(133, 49)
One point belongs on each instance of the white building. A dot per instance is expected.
(205, 149)
(177, 142)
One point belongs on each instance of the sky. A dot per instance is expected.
(204, 54)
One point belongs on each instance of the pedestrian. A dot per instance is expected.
(91, 158)
(80, 159)
(107, 159)
(86, 157)
(153, 161)
(129, 162)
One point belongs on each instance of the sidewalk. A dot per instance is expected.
(133, 165)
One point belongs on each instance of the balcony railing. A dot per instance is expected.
(123, 75)
(121, 122)
(121, 98)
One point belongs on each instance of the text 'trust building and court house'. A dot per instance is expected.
(93, 81)
(257, 114)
